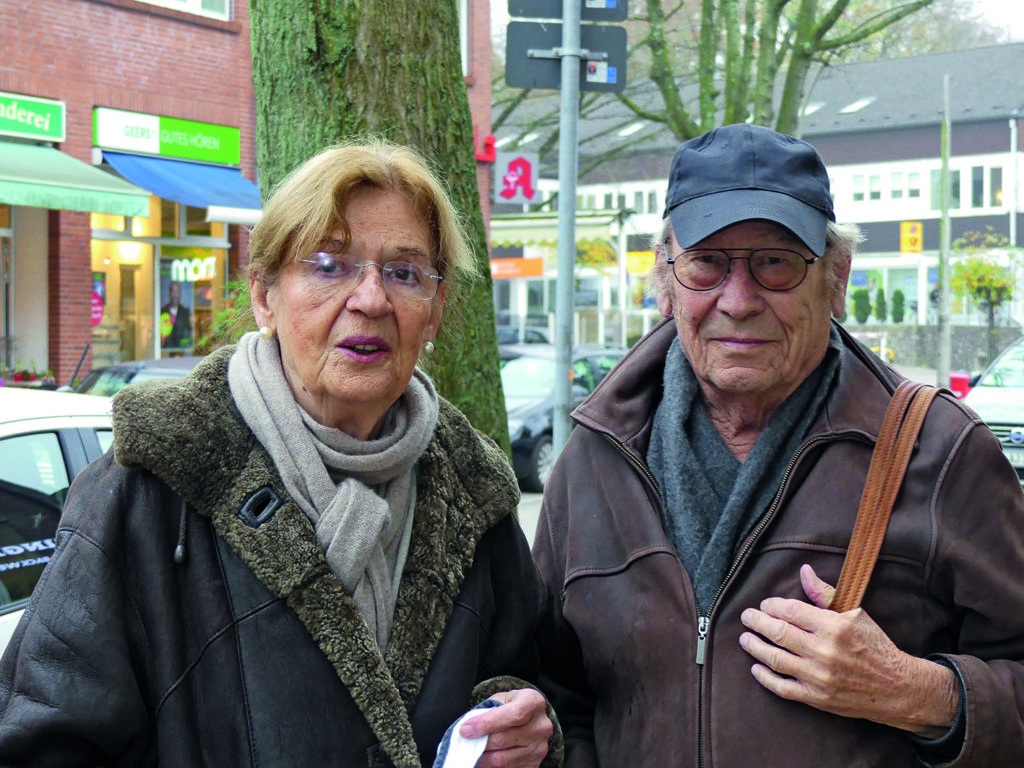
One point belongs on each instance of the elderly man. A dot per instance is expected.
(696, 523)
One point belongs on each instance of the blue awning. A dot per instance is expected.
(192, 184)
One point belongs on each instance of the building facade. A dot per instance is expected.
(878, 126)
(157, 100)
(128, 174)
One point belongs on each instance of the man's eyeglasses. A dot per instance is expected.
(774, 269)
(342, 272)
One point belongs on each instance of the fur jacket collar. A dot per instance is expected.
(191, 435)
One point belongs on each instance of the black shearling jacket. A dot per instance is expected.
(248, 652)
(622, 636)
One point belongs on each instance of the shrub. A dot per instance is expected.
(899, 307)
(861, 305)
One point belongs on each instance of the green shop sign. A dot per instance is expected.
(166, 136)
(31, 118)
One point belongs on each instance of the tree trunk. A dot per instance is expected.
(328, 70)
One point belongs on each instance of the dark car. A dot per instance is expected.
(528, 378)
(998, 397)
(110, 379)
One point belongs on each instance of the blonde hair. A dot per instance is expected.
(307, 205)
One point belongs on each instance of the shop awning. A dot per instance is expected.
(192, 184)
(44, 177)
(542, 228)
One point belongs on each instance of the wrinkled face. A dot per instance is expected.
(744, 341)
(349, 354)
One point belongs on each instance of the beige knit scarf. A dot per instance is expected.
(359, 494)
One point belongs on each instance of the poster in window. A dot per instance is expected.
(176, 301)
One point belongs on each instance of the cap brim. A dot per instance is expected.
(700, 217)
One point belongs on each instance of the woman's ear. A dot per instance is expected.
(258, 298)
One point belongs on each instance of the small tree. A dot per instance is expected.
(861, 305)
(980, 278)
(898, 306)
(881, 309)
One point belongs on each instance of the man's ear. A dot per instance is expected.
(840, 280)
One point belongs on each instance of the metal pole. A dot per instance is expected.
(623, 277)
(945, 336)
(567, 169)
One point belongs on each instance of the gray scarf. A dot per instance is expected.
(358, 494)
(712, 500)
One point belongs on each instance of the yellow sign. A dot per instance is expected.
(911, 236)
(639, 262)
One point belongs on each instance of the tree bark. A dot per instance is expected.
(329, 70)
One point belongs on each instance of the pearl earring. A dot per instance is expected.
(266, 332)
(428, 347)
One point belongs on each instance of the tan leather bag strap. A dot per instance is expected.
(900, 428)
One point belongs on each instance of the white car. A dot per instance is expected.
(46, 438)
(998, 397)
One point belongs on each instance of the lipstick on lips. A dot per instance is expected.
(364, 349)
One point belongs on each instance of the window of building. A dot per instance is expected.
(638, 201)
(609, 201)
(936, 189)
(464, 37)
(995, 187)
(896, 185)
(216, 9)
(977, 186)
(914, 184)
(875, 187)
(858, 187)
(6, 287)
(653, 206)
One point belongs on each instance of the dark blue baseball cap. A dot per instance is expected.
(740, 172)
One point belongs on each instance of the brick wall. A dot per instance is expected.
(131, 56)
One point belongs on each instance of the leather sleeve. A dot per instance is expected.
(979, 567)
(68, 695)
(563, 676)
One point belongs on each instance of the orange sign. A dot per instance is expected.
(911, 236)
(503, 268)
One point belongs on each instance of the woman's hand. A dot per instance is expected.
(844, 663)
(518, 730)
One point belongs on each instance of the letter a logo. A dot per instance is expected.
(518, 177)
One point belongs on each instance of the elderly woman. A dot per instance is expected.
(696, 523)
(300, 555)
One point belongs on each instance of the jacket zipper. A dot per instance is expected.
(704, 621)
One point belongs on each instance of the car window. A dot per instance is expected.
(528, 377)
(583, 375)
(33, 486)
(108, 382)
(1007, 370)
(105, 438)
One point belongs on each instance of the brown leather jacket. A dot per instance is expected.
(621, 635)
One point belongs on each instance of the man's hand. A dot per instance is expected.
(844, 663)
(518, 730)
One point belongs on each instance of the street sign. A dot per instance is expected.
(533, 56)
(515, 176)
(590, 10)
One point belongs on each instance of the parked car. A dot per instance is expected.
(108, 380)
(528, 378)
(46, 438)
(513, 334)
(998, 397)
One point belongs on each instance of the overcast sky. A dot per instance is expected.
(1004, 13)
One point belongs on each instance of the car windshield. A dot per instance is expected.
(1007, 371)
(528, 377)
(105, 382)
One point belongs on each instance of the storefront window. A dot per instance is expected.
(6, 298)
(153, 298)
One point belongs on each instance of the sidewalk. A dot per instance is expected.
(924, 375)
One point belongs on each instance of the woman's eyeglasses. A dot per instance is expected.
(774, 269)
(342, 272)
